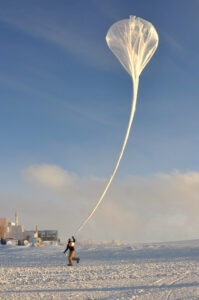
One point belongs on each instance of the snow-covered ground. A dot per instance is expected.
(147, 271)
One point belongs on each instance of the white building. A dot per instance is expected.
(15, 232)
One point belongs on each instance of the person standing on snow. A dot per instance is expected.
(71, 248)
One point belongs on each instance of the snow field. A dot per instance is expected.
(103, 273)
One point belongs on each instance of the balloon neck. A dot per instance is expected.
(135, 79)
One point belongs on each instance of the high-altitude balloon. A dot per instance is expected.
(133, 41)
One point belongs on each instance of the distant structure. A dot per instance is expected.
(12, 230)
(15, 232)
(3, 227)
(16, 219)
(36, 231)
(48, 235)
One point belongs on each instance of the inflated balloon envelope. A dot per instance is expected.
(133, 41)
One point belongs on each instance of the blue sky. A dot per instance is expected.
(65, 99)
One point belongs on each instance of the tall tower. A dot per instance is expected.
(16, 219)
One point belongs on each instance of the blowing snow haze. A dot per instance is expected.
(64, 109)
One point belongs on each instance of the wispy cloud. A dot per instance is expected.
(172, 42)
(162, 207)
(77, 41)
(88, 113)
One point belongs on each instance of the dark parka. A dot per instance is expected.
(69, 246)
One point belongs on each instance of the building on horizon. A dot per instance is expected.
(12, 230)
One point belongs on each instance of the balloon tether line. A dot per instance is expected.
(133, 108)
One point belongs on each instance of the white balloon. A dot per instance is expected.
(133, 41)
